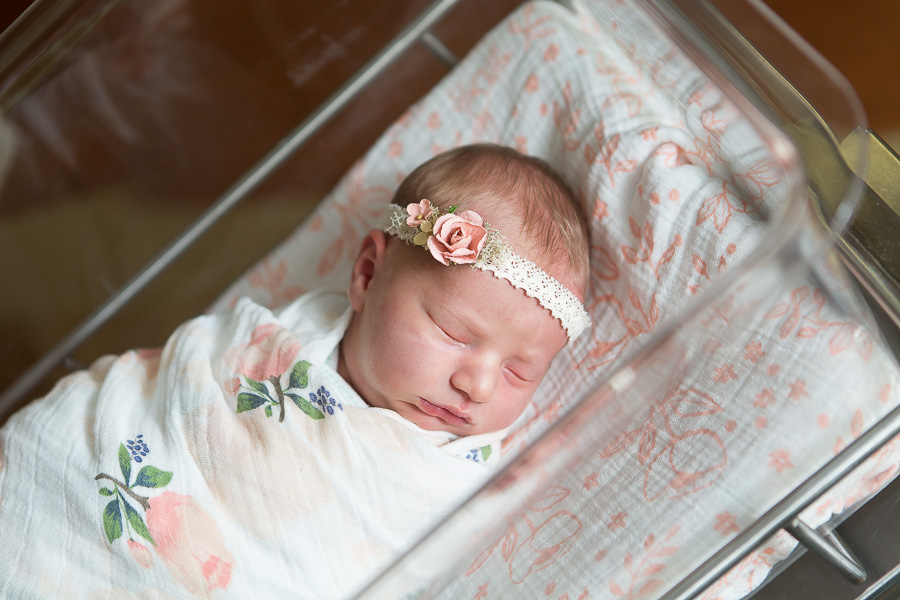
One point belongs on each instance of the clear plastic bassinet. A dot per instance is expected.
(732, 357)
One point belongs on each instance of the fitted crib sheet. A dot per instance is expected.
(680, 188)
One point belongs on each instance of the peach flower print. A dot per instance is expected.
(617, 521)
(269, 353)
(753, 352)
(780, 460)
(764, 398)
(457, 238)
(798, 389)
(190, 544)
(724, 374)
(726, 523)
(140, 553)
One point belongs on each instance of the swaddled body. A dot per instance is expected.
(269, 454)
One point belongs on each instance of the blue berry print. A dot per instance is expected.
(138, 448)
(323, 398)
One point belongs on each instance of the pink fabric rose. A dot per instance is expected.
(140, 553)
(190, 544)
(418, 212)
(271, 351)
(457, 238)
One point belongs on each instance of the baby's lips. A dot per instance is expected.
(450, 414)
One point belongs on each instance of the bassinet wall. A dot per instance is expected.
(739, 364)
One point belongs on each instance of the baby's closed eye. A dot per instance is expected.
(518, 375)
(448, 333)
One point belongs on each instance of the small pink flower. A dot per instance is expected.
(140, 553)
(190, 543)
(457, 238)
(726, 523)
(418, 212)
(271, 351)
(780, 460)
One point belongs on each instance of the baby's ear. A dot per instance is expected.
(369, 260)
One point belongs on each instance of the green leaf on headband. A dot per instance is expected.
(452, 208)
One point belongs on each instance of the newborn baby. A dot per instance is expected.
(460, 349)
(297, 452)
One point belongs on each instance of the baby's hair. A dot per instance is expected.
(490, 176)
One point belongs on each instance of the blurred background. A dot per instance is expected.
(859, 42)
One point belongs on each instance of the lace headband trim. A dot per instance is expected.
(464, 238)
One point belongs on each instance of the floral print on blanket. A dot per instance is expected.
(124, 494)
(187, 540)
(262, 362)
(254, 394)
(481, 454)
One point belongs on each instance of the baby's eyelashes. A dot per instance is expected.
(447, 332)
(517, 376)
(453, 338)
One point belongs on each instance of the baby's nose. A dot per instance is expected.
(477, 379)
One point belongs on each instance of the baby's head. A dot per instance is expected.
(456, 348)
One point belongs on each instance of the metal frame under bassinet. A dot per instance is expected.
(702, 24)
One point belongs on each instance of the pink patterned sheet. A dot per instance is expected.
(679, 189)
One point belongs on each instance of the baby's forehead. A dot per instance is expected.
(472, 297)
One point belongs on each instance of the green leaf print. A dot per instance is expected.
(247, 402)
(300, 376)
(486, 453)
(137, 523)
(125, 464)
(306, 406)
(259, 386)
(106, 492)
(112, 521)
(151, 477)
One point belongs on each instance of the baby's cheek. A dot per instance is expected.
(510, 407)
(405, 358)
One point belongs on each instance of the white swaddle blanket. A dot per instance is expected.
(235, 463)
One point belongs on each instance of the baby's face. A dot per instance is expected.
(449, 348)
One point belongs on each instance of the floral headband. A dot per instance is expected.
(464, 238)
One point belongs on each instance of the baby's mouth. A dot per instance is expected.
(450, 415)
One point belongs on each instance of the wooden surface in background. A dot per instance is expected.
(9, 10)
(858, 39)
